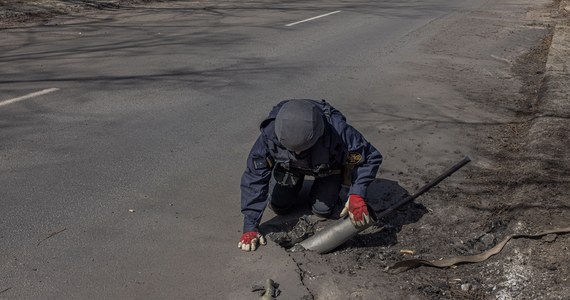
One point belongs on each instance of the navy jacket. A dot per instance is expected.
(340, 144)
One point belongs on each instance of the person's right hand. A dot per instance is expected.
(357, 210)
(250, 240)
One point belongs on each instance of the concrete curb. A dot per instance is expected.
(565, 4)
(554, 103)
(557, 83)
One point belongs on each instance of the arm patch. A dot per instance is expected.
(260, 163)
(353, 158)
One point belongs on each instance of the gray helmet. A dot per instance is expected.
(298, 125)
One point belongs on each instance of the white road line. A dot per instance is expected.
(310, 19)
(28, 96)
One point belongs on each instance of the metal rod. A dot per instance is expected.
(425, 188)
(342, 230)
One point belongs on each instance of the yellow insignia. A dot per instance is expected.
(353, 158)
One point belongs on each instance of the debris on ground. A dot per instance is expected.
(267, 290)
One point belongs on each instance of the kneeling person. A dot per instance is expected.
(305, 137)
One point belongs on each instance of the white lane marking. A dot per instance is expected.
(310, 19)
(28, 96)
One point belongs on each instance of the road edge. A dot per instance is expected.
(553, 113)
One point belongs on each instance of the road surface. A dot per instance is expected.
(123, 134)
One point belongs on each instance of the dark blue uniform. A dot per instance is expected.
(339, 147)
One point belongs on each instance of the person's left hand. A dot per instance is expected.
(357, 210)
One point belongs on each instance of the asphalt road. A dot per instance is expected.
(155, 112)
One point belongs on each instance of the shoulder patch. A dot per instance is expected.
(353, 158)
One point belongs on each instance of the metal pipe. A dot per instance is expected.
(342, 230)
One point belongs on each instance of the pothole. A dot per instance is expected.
(305, 227)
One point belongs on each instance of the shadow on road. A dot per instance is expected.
(296, 226)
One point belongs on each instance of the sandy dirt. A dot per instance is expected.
(519, 184)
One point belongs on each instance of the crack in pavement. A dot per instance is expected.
(302, 276)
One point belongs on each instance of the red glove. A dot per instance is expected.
(357, 210)
(249, 241)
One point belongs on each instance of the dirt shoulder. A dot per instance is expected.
(20, 12)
